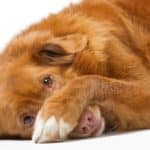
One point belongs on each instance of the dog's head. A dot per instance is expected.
(40, 61)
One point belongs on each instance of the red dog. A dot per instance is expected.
(86, 69)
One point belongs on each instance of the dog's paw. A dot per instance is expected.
(55, 124)
(56, 119)
(51, 130)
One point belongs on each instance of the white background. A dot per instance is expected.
(15, 15)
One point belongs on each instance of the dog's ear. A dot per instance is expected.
(53, 54)
(61, 50)
(72, 43)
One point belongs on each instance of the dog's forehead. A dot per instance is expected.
(18, 81)
(26, 42)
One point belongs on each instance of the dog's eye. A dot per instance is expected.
(28, 121)
(47, 81)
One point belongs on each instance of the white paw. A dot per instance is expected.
(51, 130)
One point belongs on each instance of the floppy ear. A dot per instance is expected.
(72, 43)
(53, 54)
(61, 50)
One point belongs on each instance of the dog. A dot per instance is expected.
(79, 73)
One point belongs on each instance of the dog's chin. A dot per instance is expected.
(91, 124)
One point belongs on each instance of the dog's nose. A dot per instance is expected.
(87, 124)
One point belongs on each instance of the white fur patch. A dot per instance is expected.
(39, 123)
(51, 130)
(100, 132)
(64, 129)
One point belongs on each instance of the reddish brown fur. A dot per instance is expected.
(106, 62)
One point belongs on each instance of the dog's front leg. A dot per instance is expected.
(60, 114)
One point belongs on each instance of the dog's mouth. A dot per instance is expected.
(91, 124)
